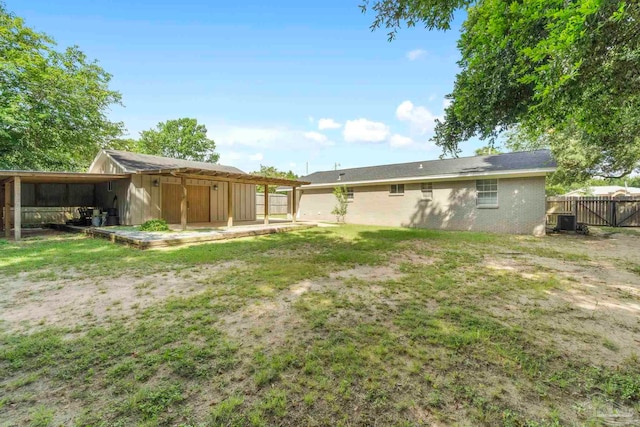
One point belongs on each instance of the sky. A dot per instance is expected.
(302, 86)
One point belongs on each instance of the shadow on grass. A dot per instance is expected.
(343, 245)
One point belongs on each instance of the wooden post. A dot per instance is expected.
(7, 209)
(183, 205)
(230, 204)
(266, 204)
(2, 207)
(17, 208)
(294, 208)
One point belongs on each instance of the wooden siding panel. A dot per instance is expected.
(198, 203)
(171, 196)
(217, 201)
(105, 165)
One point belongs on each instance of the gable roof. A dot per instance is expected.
(136, 162)
(533, 162)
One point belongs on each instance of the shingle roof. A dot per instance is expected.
(134, 162)
(525, 160)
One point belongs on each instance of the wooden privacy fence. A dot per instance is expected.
(278, 204)
(606, 211)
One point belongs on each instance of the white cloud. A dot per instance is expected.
(316, 137)
(256, 157)
(422, 120)
(363, 130)
(400, 141)
(446, 103)
(264, 137)
(412, 55)
(328, 124)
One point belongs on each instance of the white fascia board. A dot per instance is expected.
(432, 178)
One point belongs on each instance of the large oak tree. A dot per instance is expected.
(53, 104)
(563, 74)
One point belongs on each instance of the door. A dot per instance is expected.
(171, 197)
(198, 198)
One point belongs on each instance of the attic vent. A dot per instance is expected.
(340, 176)
(420, 167)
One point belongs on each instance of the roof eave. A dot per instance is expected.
(222, 174)
(445, 177)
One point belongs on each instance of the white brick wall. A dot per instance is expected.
(521, 207)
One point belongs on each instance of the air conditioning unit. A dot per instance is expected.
(566, 223)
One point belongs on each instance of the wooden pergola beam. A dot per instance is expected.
(17, 208)
(7, 209)
(183, 204)
(230, 204)
(294, 208)
(266, 204)
(222, 176)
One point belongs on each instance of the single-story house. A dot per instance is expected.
(605, 191)
(140, 187)
(502, 193)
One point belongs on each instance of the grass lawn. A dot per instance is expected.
(346, 325)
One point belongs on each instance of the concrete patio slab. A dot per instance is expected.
(152, 239)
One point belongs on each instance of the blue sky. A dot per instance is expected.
(281, 83)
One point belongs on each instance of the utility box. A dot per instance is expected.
(566, 223)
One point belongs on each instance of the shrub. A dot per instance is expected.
(155, 225)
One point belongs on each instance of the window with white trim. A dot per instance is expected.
(487, 192)
(396, 189)
(349, 194)
(427, 190)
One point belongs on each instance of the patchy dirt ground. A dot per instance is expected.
(353, 341)
(71, 299)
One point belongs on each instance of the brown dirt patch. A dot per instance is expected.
(78, 300)
(596, 310)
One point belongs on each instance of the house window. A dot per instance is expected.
(110, 186)
(396, 189)
(350, 194)
(427, 190)
(487, 192)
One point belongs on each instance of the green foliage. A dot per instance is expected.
(340, 210)
(53, 104)
(487, 150)
(155, 225)
(272, 172)
(179, 139)
(553, 73)
(126, 144)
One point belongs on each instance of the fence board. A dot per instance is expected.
(602, 211)
(277, 204)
